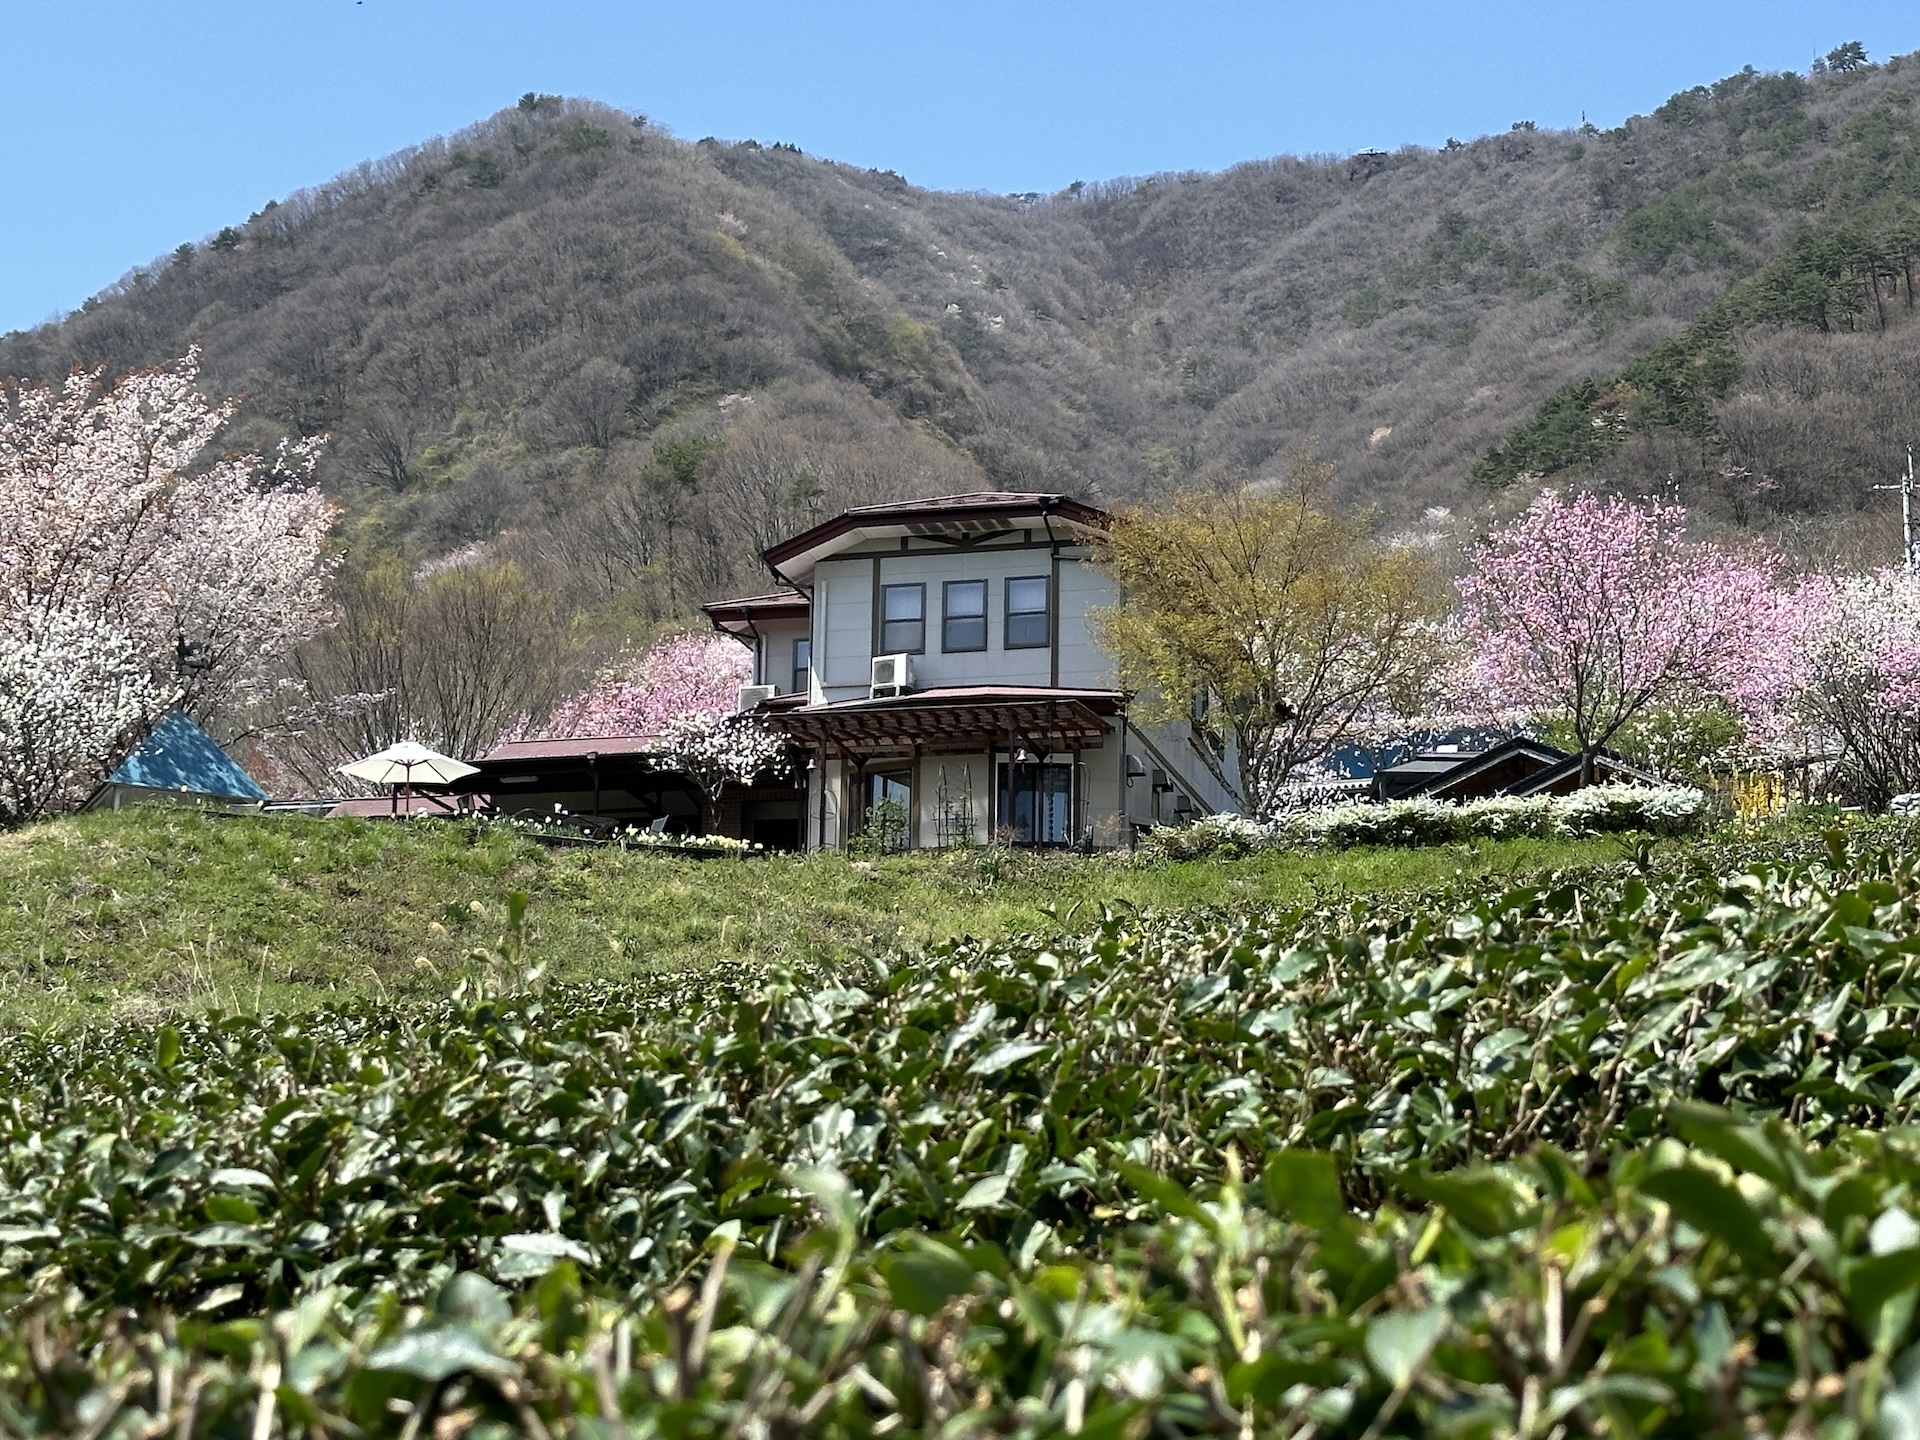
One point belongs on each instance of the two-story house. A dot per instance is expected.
(935, 662)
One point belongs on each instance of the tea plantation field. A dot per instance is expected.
(162, 910)
(1617, 1149)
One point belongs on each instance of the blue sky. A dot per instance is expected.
(135, 126)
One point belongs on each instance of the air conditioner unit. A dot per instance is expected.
(892, 675)
(752, 697)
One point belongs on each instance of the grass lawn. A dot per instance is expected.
(160, 908)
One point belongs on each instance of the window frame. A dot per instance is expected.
(920, 588)
(1045, 612)
(947, 618)
(802, 672)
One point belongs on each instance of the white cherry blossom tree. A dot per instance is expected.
(139, 567)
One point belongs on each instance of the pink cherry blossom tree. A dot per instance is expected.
(681, 694)
(139, 569)
(1858, 680)
(677, 677)
(1594, 610)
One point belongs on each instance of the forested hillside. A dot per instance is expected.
(623, 362)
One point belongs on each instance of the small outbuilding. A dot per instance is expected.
(176, 760)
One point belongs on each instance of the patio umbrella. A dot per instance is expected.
(401, 765)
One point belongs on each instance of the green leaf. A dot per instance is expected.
(1304, 1184)
(166, 1047)
(226, 1236)
(433, 1355)
(1874, 1280)
(1398, 1344)
(523, 1257)
(1002, 1056)
(241, 1180)
(985, 1194)
(923, 1279)
(1485, 1201)
(1715, 1208)
(473, 1298)
(1170, 1197)
(1740, 1143)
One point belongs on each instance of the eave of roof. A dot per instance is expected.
(962, 719)
(745, 611)
(981, 512)
(970, 695)
(574, 748)
(1482, 760)
(1560, 769)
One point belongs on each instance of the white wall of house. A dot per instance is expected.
(773, 653)
(847, 635)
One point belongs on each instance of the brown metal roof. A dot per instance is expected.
(962, 719)
(982, 512)
(577, 748)
(738, 616)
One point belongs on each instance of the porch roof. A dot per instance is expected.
(957, 720)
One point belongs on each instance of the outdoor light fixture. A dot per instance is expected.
(1024, 756)
(1136, 769)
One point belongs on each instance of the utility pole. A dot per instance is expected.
(1909, 544)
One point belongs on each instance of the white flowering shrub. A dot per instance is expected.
(1659, 809)
(1596, 810)
(1224, 837)
(1398, 822)
(1503, 817)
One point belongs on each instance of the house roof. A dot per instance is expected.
(1605, 763)
(1469, 765)
(970, 517)
(966, 718)
(179, 757)
(741, 616)
(573, 748)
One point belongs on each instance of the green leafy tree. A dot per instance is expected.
(1299, 627)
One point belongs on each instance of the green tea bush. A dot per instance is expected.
(1595, 810)
(1736, 1284)
(1001, 1178)
(990, 1089)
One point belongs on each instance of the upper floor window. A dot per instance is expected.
(903, 619)
(802, 663)
(963, 615)
(1029, 622)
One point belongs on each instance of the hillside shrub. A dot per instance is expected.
(1595, 810)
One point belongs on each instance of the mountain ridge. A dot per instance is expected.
(563, 333)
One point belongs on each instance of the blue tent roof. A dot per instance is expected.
(178, 755)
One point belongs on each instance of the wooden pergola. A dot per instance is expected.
(955, 722)
(977, 720)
